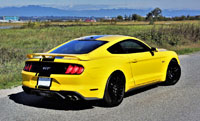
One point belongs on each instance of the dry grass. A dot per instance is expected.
(105, 23)
(127, 23)
(12, 24)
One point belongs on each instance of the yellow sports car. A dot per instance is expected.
(99, 67)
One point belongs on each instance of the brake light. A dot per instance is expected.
(74, 69)
(80, 70)
(25, 68)
(28, 67)
(69, 69)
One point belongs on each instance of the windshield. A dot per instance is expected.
(79, 47)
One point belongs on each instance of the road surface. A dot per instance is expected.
(155, 103)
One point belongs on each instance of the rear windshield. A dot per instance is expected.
(79, 47)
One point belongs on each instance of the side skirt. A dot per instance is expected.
(142, 86)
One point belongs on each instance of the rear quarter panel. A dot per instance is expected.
(100, 69)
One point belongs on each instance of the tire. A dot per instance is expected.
(173, 73)
(115, 89)
(26, 90)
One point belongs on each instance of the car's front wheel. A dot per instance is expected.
(173, 73)
(115, 89)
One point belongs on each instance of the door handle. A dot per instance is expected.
(134, 61)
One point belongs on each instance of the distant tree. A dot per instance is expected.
(130, 18)
(176, 18)
(197, 17)
(126, 18)
(149, 17)
(161, 18)
(137, 17)
(113, 21)
(119, 17)
(156, 13)
(134, 17)
(153, 15)
(188, 17)
(183, 17)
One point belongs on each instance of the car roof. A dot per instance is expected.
(106, 37)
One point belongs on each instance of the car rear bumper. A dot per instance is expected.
(86, 87)
(66, 95)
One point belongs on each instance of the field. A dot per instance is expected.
(15, 44)
(78, 23)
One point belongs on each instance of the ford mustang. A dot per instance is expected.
(97, 67)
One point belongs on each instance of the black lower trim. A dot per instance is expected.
(68, 95)
(143, 86)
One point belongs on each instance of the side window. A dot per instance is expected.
(116, 49)
(128, 46)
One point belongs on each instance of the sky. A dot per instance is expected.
(106, 4)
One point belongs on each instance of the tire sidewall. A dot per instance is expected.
(106, 101)
(172, 81)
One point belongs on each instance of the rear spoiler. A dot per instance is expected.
(51, 55)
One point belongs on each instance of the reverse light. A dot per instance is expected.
(74, 69)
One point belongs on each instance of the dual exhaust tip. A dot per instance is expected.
(60, 95)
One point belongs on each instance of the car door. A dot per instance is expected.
(146, 66)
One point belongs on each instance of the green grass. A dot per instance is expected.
(15, 44)
(187, 50)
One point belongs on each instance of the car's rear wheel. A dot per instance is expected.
(115, 88)
(173, 73)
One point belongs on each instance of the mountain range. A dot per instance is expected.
(35, 10)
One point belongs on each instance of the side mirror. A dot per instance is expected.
(152, 50)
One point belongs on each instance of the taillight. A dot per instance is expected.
(28, 67)
(74, 69)
(80, 70)
(69, 69)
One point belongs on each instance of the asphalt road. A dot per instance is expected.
(155, 103)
